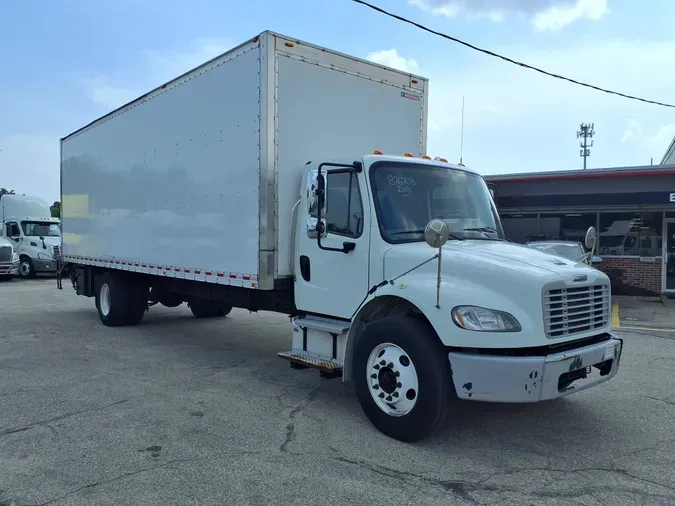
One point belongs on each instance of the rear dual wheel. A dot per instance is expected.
(403, 379)
(120, 300)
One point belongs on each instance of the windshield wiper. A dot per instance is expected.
(485, 230)
(451, 236)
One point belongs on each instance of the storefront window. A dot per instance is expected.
(631, 234)
(520, 228)
(566, 226)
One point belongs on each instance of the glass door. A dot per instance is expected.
(669, 257)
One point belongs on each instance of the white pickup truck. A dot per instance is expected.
(257, 181)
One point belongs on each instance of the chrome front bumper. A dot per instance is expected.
(522, 379)
(9, 269)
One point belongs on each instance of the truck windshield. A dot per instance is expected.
(408, 196)
(41, 229)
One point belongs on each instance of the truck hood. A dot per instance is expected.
(490, 257)
(489, 274)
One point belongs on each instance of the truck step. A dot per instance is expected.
(303, 360)
(324, 324)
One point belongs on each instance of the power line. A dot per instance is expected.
(520, 64)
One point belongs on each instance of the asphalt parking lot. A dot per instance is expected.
(180, 411)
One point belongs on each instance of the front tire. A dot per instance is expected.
(26, 269)
(402, 378)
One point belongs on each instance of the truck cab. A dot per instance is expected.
(35, 234)
(405, 283)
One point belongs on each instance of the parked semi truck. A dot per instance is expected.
(258, 181)
(27, 222)
(9, 260)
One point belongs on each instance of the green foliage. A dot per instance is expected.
(56, 209)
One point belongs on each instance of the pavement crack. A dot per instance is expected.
(114, 479)
(463, 489)
(59, 418)
(295, 412)
(667, 401)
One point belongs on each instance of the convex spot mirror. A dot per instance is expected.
(436, 233)
(591, 238)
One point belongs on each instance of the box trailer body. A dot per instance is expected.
(286, 177)
(197, 179)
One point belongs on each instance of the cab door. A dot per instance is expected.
(332, 258)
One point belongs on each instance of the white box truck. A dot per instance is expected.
(257, 181)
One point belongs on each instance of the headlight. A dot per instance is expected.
(15, 258)
(484, 320)
(44, 256)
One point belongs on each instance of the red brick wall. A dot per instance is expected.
(636, 277)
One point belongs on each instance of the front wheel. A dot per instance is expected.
(402, 377)
(26, 269)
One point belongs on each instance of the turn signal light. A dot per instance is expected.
(377, 152)
(426, 157)
(408, 155)
(439, 159)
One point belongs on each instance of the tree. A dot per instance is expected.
(56, 209)
(5, 191)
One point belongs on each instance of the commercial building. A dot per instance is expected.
(633, 209)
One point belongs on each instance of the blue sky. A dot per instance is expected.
(66, 63)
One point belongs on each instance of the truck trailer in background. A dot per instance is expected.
(258, 181)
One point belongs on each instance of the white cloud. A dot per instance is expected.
(166, 65)
(106, 95)
(29, 165)
(391, 58)
(517, 120)
(558, 17)
(544, 14)
(161, 66)
(659, 136)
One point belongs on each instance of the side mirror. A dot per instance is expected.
(596, 260)
(316, 199)
(436, 233)
(591, 238)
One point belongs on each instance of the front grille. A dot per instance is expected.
(570, 311)
(6, 253)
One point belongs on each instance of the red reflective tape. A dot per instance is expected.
(209, 273)
(198, 271)
(220, 275)
(186, 270)
(177, 269)
(247, 278)
(145, 265)
(233, 276)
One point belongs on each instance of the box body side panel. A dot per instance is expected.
(172, 181)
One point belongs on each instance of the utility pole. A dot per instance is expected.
(586, 132)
